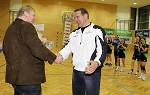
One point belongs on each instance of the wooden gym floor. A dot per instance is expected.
(112, 83)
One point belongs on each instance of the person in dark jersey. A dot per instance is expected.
(109, 51)
(122, 47)
(115, 44)
(143, 58)
(135, 56)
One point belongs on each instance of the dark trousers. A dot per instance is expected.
(27, 89)
(83, 83)
(116, 56)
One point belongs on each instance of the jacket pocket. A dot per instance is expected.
(13, 70)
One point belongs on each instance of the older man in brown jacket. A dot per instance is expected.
(25, 54)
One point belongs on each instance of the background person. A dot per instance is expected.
(143, 58)
(115, 44)
(135, 56)
(109, 51)
(122, 47)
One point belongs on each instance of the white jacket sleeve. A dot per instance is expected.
(67, 49)
(101, 47)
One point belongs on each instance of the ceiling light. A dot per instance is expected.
(102, 0)
(134, 3)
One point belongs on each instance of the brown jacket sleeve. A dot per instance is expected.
(36, 47)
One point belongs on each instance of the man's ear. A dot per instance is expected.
(85, 16)
(26, 13)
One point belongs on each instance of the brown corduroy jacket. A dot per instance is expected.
(25, 54)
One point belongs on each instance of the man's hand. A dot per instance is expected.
(59, 58)
(92, 65)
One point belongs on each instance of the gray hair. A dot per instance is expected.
(23, 9)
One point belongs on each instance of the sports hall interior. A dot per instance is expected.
(104, 13)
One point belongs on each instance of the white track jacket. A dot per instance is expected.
(86, 46)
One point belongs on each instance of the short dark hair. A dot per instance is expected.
(23, 9)
(143, 38)
(83, 11)
(138, 37)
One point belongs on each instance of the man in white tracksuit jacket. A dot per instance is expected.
(88, 46)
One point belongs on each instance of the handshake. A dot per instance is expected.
(59, 58)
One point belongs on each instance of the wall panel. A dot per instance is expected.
(4, 16)
(49, 13)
